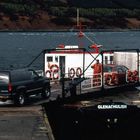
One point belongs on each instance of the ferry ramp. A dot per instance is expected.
(24, 123)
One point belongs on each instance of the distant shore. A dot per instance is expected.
(67, 30)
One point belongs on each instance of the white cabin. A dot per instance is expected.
(72, 61)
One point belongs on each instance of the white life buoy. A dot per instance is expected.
(55, 69)
(55, 74)
(78, 72)
(71, 73)
(54, 66)
(48, 74)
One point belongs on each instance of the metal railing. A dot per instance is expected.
(92, 81)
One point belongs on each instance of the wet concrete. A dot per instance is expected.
(23, 123)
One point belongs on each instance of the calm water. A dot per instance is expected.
(20, 48)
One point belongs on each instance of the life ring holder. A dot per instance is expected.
(78, 72)
(71, 73)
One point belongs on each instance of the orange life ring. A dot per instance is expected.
(130, 76)
(135, 76)
(135, 73)
(71, 73)
(115, 80)
(111, 79)
(48, 72)
(78, 72)
(108, 79)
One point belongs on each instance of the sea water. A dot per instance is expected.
(18, 49)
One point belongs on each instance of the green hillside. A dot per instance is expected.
(105, 3)
(54, 14)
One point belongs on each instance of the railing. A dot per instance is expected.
(92, 81)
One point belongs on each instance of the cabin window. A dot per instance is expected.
(111, 59)
(56, 58)
(49, 59)
(106, 59)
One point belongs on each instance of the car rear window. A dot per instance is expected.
(4, 78)
(107, 69)
(20, 75)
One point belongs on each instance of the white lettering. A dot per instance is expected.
(112, 106)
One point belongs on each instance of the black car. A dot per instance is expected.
(19, 84)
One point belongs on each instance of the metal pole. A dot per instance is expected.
(84, 63)
(138, 65)
(102, 54)
(34, 59)
(63, 85)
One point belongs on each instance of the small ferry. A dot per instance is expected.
(119, 67)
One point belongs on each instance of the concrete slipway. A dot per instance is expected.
(24, 123)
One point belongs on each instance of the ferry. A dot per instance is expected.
(120, 67)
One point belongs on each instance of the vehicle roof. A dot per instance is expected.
(13, 70)
(113, 65)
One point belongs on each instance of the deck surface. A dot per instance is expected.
(23, 123)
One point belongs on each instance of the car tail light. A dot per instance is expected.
(9, 87)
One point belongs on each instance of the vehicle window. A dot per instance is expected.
(107, 69)
(33, 74)
(4, 78)
(20, 75)
(124, 68)
(120, 69)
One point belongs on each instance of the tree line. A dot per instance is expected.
(59, 8)
(94, 12)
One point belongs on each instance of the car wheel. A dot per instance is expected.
(46, 92)
(19, 99)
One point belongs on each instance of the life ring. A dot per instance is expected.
(54, 69)
(135, 73)
(78, 72)
(48, 72)
(108, 79)
(115, 79)
(71, 73)
(55, 74)
(111, 79)
(135, 76)
(130, 76)
(54, 66)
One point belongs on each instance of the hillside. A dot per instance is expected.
(61, 14)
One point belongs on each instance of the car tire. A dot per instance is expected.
(46, 93)
(19, 99)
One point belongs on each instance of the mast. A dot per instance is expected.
(78, 18)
